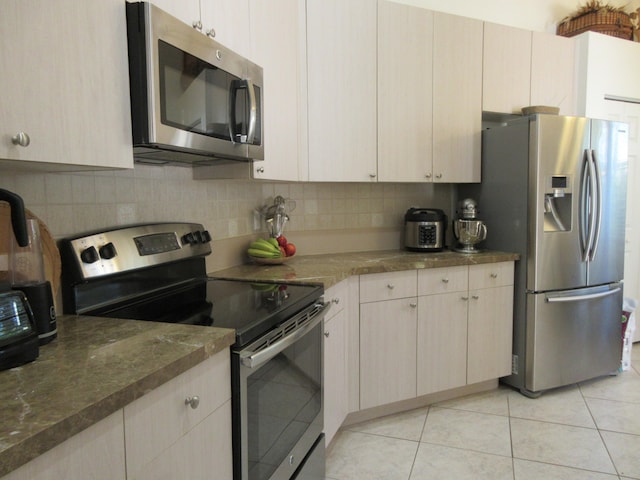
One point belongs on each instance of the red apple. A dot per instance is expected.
(282, 240)
(290, 248)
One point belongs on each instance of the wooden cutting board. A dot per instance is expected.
(50, 253)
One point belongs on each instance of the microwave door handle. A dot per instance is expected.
(598, 206)
(233, 95)
(253, 112)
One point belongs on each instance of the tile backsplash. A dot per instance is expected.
(71, 203)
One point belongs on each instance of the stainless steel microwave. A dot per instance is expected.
(193, 101)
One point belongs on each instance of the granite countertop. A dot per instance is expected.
(95, 367)
(329, 269)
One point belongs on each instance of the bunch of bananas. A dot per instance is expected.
(265, 248)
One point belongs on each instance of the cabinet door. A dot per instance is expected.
(490, 329)
(553, 72)
(506, 68)
(204, 452)
(387, 351)
(442, 342)
(227, 21)
(96, 453)
(278, 46)
(186, 10)
(335, 374)
(457, 98)
(66, 83)
(341, 51)
(405, 59)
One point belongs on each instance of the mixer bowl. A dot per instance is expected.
(469, 233)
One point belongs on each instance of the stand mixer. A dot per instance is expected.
(467, 229)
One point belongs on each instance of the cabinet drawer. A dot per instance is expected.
(158, 419)
(490, 275)
(443, 280)
(337, 295)
(387, 286)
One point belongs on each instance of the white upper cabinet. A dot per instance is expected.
(506, 68)
(457, 99)
(65, 86)
(553, 72)
(278, 45)
(341, 62)
(405, 80)
(186, 10)
(227, 22)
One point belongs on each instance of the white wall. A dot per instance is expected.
(537, 15)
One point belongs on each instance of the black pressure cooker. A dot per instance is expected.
(424, 229)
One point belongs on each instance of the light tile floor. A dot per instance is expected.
(589, 431)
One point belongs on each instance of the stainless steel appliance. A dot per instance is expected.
(157, 272)
(468, 230)
(554, 190)
(424, 229)
(193, 100)
(18, 337)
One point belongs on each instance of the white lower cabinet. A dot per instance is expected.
(96, 453)
(161, 426)
(452, 327)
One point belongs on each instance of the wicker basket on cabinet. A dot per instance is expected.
(617, 24)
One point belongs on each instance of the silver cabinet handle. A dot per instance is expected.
(445, 280)
(413, 305)
(475, 297)
(372, 175)
(335, 300)
(260, 169)
(494, 275)
(438, 175)
(193, 402)
(391, 286)
(326, 334)
(197, 24)
(428, 175)
(464, 298)
(21, 138)
(211, 32)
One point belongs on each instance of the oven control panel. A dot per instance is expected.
(129, 248)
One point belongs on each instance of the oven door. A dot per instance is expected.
(278, 411)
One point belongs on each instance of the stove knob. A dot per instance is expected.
(89, 255)
(206, 235)
(108, 251)
(198, 236)
(188, 239)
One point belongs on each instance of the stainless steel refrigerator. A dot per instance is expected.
(554, 190)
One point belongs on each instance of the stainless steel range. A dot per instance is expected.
(157, 272)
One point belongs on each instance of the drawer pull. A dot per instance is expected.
(413, 305)
(494, 275)
(335, 300)
(326, 334)
(475, 297)
(445, 280)
(391, 286)
(193, 402)
(464, 298)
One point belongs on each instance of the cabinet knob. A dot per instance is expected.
(413, 305)
(211, 33)
(193, 402)
(335, 300)
(428, 175)
(197, 24)
(391, 286)
(475, 297)
(464, 298)
(445, 280)
(326, 334)
(21, 138)
(438, 175)
(260, 169)
(494, 275)
(372, 175)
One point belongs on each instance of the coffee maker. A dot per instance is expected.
(467, 228)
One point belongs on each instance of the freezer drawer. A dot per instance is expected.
(572, 336)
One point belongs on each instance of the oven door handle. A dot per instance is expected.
(252, 359)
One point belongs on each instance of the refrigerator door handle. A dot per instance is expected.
(578, 298)
(598, 206)
(583, 209)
